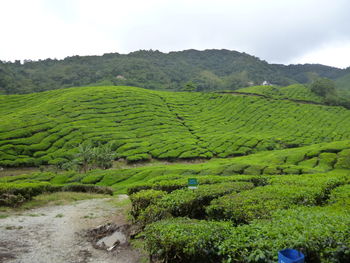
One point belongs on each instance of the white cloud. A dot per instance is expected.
(335, 54)
(278, 31)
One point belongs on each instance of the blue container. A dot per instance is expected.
(290, 256)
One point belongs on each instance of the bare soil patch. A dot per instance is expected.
(57, 234)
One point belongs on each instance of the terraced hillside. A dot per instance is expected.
(46, 128)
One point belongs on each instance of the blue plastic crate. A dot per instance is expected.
(290, 256)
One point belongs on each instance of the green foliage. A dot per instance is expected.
(15, 193)
(103, 156)
(323, 87)
(282, 193)
(340, 196)
(208, 70)
(326, 88)
(184, 240)
(85, 156)
(187, 202)
(321, 233)
(142, 199)
(89, 157)
(296, 92)
(137, 125)
(190, 87)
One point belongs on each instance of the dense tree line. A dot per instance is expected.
(205, 70)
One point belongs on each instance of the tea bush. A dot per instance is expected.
(187, 202)
(321, 233)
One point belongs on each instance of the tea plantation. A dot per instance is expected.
(46, 128)
(277, 174)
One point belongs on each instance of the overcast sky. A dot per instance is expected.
(278, 31)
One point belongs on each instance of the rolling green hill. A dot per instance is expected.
(46, 128)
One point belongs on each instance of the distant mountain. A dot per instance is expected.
(198, 70)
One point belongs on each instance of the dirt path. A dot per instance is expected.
(56, 234)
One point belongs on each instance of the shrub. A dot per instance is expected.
(13, 194)
(321, 233)
(261, 202)
(86, 188)
(183, 240)
(142, 199)
(187, 202)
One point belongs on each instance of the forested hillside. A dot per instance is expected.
(185, 70)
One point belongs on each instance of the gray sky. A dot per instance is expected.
(279, 31)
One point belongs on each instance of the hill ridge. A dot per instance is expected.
(208, 70)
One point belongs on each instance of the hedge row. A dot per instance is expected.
(321, 233)
(14, 194)
(284, 192)
(187, 202)
(170, 183)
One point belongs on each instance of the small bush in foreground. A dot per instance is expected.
(321, 233)
(187, 202)
(141, 200)
(184, 240)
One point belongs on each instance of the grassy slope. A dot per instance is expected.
(46, 127)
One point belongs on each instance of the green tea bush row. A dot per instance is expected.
(340, 196)
(142, 199)
(170, 183)
(260, 165)
(321, 233)
(187, 202)
(14, 194)
(260, 202)
(284, 192)
(184, 240)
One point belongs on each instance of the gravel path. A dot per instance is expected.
(55, 234)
